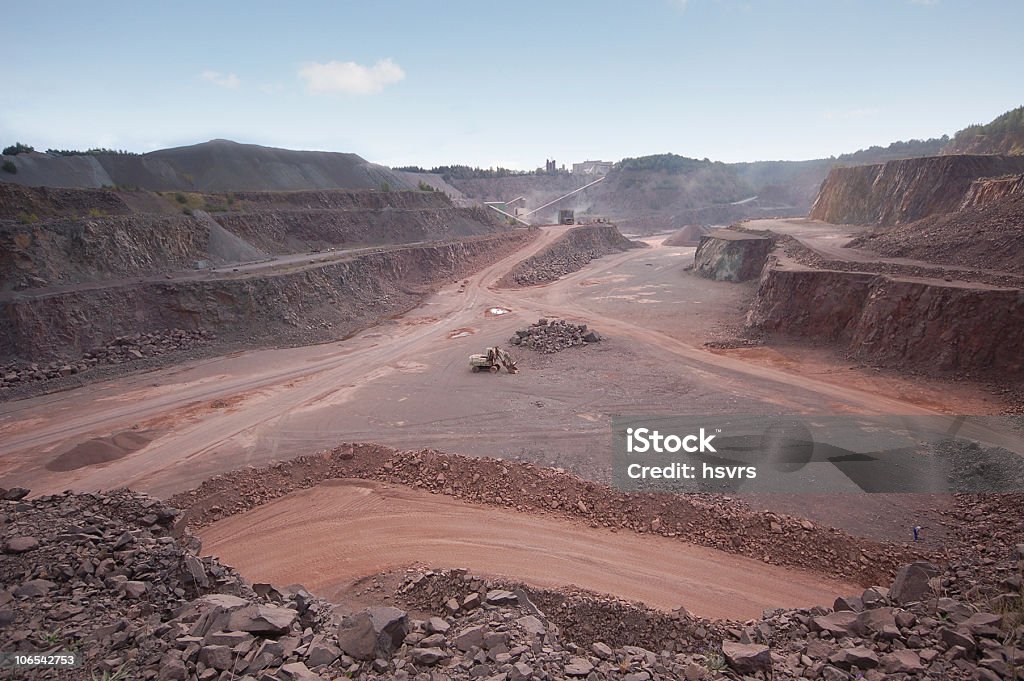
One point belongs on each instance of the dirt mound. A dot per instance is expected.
(687, 236)
(100, 450)
(569, 253)
(903, 191)
(988, 234)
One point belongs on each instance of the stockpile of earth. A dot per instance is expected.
(554, 335)
(687, 236)
(571, 252)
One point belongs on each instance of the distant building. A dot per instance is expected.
(597, 168)
(549, 166)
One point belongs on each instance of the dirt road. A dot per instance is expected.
(363, 527)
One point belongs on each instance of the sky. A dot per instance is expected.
(508, 84)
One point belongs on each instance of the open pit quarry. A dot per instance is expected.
(240, 437)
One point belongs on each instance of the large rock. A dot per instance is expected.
(747, 658)
(880, 622)
(861, 657)
(839, 624)
(262, 619)
(16, 494)
(902, 662)
(911, 583)
(22, 544)
(374, 632)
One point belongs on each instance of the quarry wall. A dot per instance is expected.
(906, 190)
(310, 304)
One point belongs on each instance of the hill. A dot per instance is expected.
(214, 166)
(1004, 135)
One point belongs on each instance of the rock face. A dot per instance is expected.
(570, 252)
(933, 325)
(905, 190)
(989, 190)
(727, 255)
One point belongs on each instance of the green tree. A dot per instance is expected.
(18, 148)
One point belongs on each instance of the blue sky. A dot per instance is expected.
(509, 83)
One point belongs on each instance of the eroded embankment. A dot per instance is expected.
(313, 302)
(569, 253)
(930, 325)
(711, 521)
(906, 190)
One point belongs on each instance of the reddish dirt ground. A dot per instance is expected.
(365, 527)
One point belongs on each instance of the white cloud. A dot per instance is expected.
(349, 77)
(225, 80)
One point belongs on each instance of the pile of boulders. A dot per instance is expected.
(554, 335)
(907, 631)
(108, 575)
(121, 350)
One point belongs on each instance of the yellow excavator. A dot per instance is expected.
(492, 361)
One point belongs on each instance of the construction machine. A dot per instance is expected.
(492, 361)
